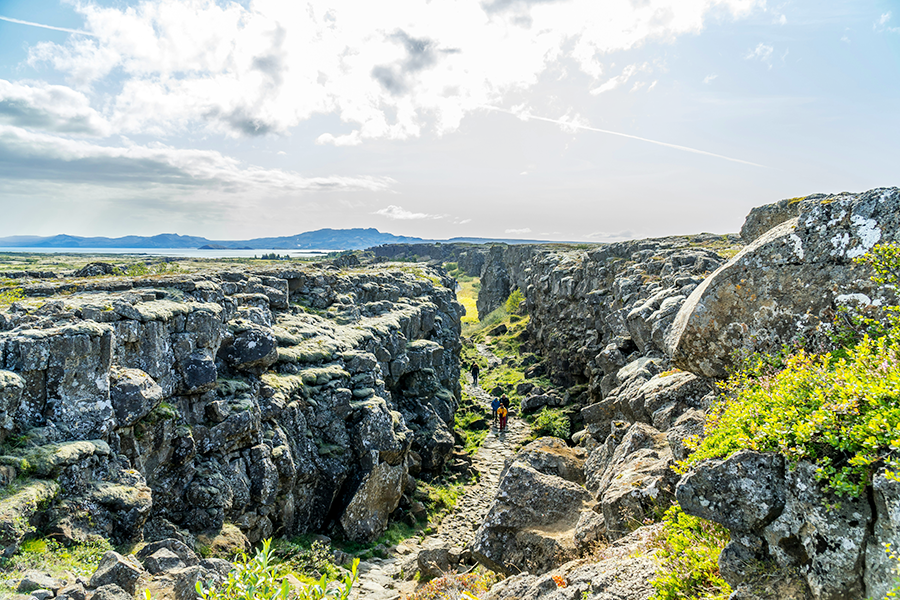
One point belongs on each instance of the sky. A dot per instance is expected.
(541, 119)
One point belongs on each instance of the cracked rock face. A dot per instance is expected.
(290, 400)
(820, 544)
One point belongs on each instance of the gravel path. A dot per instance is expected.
(385, 579)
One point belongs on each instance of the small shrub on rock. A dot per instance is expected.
(688, 549)
(453, 586)
(551, 421)
(838, 410)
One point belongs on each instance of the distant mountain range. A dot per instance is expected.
(321, 239)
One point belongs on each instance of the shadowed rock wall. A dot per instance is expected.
(283, 400)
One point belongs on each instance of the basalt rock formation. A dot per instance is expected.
(787, 282)
(287, 400)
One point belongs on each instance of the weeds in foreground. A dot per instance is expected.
(263, 577)
(49, 556)
(688, 550)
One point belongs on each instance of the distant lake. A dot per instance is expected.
(175, 252)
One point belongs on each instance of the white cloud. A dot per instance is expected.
(524, 230)
(781, 20)
(49, 107)
(401, 214)
(763, 52)
(607, 236)
(29, 155)
(462, 222)
(709, 78)
(351, 139)
(389, 71)
(881, 24)
(615, 82)
(845, 39)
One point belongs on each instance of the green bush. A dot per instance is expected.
(551, 421)
(840, 411)
(312, 559)
(688, 551)
(514, 302)
(8, 296)
(843, 414)
(137, 270)
(264, 578)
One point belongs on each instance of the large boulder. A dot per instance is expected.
(744, 493)
(250, 347)
(637, 479)
(133, 394)
(623, 571)
(786, 282)
(123, 571)
(531, 524)
(552, 456)
(818, 543)
(366, 517)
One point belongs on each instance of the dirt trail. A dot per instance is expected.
(383, 579)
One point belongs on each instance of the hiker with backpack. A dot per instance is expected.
(502, 414)
(474, 369)
(495, 404)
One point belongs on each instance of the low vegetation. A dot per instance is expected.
(453, 586)
(265, 577)
(839, 410)
(688, 549)
(552, 421)
(470, 423)
(10, 295)
(51, 557)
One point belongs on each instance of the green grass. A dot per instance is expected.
(8, 296)
(49, 556)
(470, 422)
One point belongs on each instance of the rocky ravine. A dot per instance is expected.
(617, 318)
(279, 400)
(609, 323)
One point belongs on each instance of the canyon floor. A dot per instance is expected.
(389, 578)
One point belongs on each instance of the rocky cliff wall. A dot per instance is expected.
(283, 400)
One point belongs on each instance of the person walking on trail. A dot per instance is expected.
(474, 370)
(504, 400)
(502, 413)
(495, 404)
